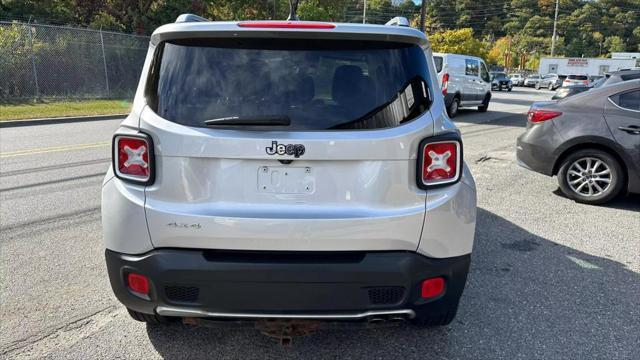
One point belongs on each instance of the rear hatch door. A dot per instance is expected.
(296, 144)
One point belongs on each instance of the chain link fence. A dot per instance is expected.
(46, 61)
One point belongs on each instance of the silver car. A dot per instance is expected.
(532, 80)
(288, 169)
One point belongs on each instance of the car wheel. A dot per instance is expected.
(151, 318)
(510, 88)
(537, 86)
(591, 176)
(550, 87)
(485, 104)
(452, 110)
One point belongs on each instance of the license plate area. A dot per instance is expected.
(286, 180)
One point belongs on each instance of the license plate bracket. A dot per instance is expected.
(286, 180)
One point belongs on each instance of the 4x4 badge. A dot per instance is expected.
(296, 150)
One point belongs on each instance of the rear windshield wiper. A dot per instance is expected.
(265, 120)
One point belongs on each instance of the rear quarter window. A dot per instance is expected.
(315, 84)
(628, 100)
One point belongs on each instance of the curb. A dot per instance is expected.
(59, 120)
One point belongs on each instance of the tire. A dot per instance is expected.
(453, 108)
(485, 104)
(151, 318)
(510, 88)
(537, 86)
(578, 187)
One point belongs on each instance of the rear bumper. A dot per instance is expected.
(339, 285)
(535, 148)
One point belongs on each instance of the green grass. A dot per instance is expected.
(37, 110)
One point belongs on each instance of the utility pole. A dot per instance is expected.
(423, 15)
(555, 26)
(364, 13)
(507, 60)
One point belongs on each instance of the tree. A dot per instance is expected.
(458, 42)
(614, 44)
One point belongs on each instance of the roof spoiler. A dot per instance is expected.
(398, 21)
(186, 18)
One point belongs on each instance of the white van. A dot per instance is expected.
(464, 80)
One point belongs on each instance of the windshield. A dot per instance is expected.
(300, 84)
(499, 75)
(578, 77)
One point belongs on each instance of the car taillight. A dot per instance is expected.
(440, 161)
(445, 83)
(537, 115)
(133, 158)
(286, 24)
(586, 82)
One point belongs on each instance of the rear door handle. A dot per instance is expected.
(631, 129)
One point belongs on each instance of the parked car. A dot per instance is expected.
(517, 79)
(591, 141)
(611, 78)
(500, 80)
(571, 90)
(550, 81)
(576, 80)
(226, 195)
(464, 80)
(532, 80)
(567, 91)
(621, 75)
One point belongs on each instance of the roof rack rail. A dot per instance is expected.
(185, 18)
(398, 21)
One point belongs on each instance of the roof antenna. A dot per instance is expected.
(293, 7)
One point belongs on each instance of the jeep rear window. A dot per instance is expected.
(314, 84)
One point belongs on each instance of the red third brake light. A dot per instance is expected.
(537, 115)
(441, 162)
(286, 24)
(133, 157)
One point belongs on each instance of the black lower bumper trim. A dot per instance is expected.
(281, 283)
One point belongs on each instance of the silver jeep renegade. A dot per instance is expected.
(288, 169)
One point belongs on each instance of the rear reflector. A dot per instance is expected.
(432, 288)
(286, 25)
(133, 158)
(137, 283)
(537, 115)
(441, 162)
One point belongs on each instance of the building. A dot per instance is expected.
(586, 66)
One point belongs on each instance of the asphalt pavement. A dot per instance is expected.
(550, 278)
